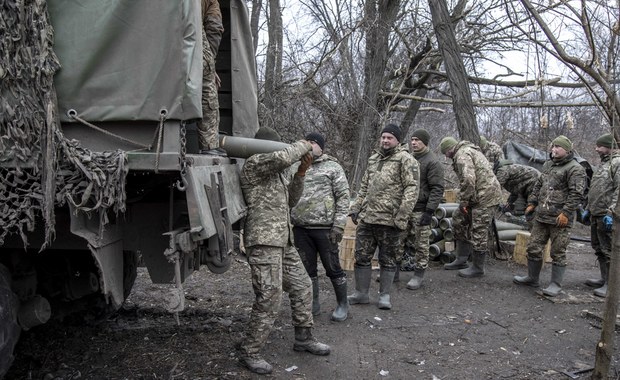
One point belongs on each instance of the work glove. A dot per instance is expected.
(426, 218)
(353, 217)
(561, 220)
(306, 162)
(529, 209)
(608, 220)
(466, 211)
(335, 235)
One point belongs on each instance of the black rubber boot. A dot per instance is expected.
(304, 341)
(463, 250)
(476, 269)
(595, 282)
(362, 284)
(602, 291)
(416, 280)
(533, 274)
(555, 287)
(316, 306)
(342, 309)
(387, 278)
(396, 276)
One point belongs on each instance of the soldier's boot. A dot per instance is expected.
(304, 341)
(387, 278)
(602, 291)
(463, 250)
(416, 280)
(256, 364)
(342, 308)
(595, 282)
(362, 284)
(533, 274)
(396, 276)
(476, 269)
(555, 287)
(316, 306)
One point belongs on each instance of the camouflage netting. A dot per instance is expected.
(39, 167)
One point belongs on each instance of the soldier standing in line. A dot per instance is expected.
(270, 189)
(602, 200)
(319, 219)
(491, 150)
(518, 180)
(430, 195)
(383, 207)
(556, 195)
(480, 193)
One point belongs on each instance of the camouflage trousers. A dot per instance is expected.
(208, 129)
(275, 269)
(418, 241)
(474, 230)
(389, 240)
(600, 239)
(541, 233)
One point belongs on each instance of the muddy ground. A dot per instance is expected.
(452, 328)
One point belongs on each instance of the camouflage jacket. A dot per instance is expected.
(517, 179)
(431, 181)
(603, 194)
(478, 185)
(212, 23)
(325, 200)
(493, 152)
(270, 189)
(389, 188)
(559, 189)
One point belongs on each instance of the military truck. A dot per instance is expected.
(98, 153)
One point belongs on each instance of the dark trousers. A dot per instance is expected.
(309, 242)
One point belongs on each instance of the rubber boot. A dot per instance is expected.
(387, 278)
(595, 282)
(463, 250)
(256, 364)
(476, 269)
(602, 291)
(316, 306)
(396, 276)
(416, 280)
(533, 274)
(362, 284)
(304, 341)
(555, 287)
(342, 309)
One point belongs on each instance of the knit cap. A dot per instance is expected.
(392, 129)
(266, 133)
(564, 142)
(447, 143)
(317, 138)
(422, 135)
(607, 140)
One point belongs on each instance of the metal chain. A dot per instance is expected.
(182, 184)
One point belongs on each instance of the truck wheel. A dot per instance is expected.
(9, 329)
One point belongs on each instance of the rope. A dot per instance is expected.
(160, 136)
(73, 114)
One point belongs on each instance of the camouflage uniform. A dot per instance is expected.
(387, 195)
(431, 194)
(212, 29)
(493, 152)
(480, 189)
(558, 190)
(518, 179)
(270, 189)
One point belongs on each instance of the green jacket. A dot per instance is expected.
(431, 181)
(604, 187)
(477, 183)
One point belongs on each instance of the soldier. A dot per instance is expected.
(556, 195)
(491, 150)
(212, 30)
(602, 199)
(430, 195)
(270, 189)
(383, 207)
(518, 179)
(319, 219)
(480, 193)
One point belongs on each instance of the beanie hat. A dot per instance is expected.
(266, 133)
(483, 142)
(564, 142)
(422, 135)
(607, 140)
(392, 129)
(317, 138)
(447, 143)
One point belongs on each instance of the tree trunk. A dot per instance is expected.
(273, 62)
(257, 6)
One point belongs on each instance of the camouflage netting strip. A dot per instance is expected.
(39, 167)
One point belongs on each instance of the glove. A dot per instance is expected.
(466, 211)
(425, 219)
(306, 162)
(585, 216)
(609, 222)
(561, 220)
(353, 217)
(529, 209)
(335, 235)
